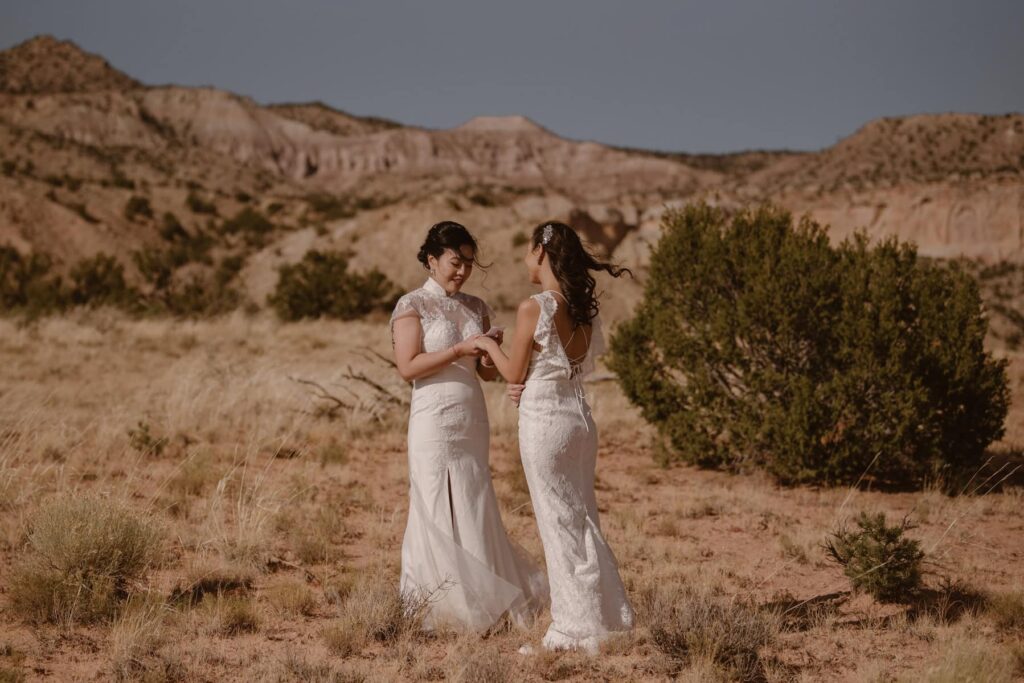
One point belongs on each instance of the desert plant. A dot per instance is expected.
(878, 558)
(293, 597)
(1007, 610)
(693, 626)
(188, 246)
(758, 344)
(330, 207)
(137, 206)
(321, 285)
(251, 224)
(201, 296)
(375, 610)
(231, 614)
(144, 441)
(197, 204)
(134, 638)
(100, 281)
(27, 284)
(964, 658)
(473, 662)
(83, 554)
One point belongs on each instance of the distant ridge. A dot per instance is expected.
(46, 65)
(505, 124)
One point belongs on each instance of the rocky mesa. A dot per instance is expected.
(94, 161)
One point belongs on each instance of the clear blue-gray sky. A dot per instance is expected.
(709, 76)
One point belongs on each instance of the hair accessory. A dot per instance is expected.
(545, 237)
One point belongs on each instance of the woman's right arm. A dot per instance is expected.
(412, 362)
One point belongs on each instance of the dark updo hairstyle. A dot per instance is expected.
(571, 264)
(447, 235)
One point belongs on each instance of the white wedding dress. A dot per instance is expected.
(558, 444)
(456, 549)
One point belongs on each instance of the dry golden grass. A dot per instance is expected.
(282, 522)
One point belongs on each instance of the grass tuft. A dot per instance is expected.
(694, 627)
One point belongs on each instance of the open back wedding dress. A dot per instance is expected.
(455, 549)
(558, 444)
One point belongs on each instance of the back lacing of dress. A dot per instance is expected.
(575, 364)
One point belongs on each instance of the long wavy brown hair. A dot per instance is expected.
(572, 265)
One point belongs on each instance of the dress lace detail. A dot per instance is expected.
(455, 547)
(453, 317)
(558, 443)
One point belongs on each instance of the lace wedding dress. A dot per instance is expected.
(558, 444)
(455, 549)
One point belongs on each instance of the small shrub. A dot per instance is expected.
(321, 286)
(119, 179)
(695, 627)
(27, 285)
(878, 558)
(83, 553)
(157, 265)
(137, 206)
(197, 204)
(759, 344)
(200, 296)
(144, 441)
(330, 207)
(483, 198)
(100, 281)
(251, 224)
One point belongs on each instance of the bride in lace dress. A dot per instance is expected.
(557, 336)
(455, 550)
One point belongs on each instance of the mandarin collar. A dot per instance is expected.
(431, 285)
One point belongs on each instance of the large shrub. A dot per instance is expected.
(321, 285)
(759, 344)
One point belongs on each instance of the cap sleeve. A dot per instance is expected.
(408, 306)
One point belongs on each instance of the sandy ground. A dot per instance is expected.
(205, 429)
